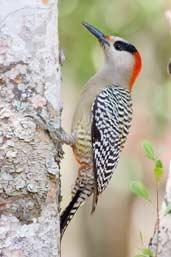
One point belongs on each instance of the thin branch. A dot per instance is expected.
(160, 243)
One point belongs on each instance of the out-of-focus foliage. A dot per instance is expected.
(141, 21)
(138, 188)
(148, 150)
(128, 18)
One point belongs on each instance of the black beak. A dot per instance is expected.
(97, 33)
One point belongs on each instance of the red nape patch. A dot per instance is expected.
(107, 37)
(136, 69)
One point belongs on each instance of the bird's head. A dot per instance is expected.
(122, 59)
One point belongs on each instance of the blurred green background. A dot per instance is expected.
(113, 230)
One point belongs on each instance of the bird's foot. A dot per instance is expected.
(57, 133)
(68, 139)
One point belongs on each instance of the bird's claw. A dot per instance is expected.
(66, 138)
(57, 133)
(39, 120)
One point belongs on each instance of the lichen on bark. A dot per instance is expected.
(29, 158)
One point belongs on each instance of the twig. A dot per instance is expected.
(160, 243)
(158, 218)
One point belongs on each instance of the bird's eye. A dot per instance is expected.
(118, 46)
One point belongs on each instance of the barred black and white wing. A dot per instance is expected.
(111, 120)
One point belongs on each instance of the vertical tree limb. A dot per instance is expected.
(29, 158)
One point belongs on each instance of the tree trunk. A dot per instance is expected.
(29, 157)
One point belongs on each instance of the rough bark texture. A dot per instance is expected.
(29, 158)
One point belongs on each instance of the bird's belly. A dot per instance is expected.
(83, 146)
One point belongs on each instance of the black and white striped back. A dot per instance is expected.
(111, 120)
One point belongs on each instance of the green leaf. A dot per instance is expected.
(140, 255)
(158, 169)
(148, 150)
(138, 188)
(145, 252)
(148, 252)
(168, 209)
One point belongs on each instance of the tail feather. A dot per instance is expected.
(83, 188)
(69, 212)
(95, 200)
(77, 200)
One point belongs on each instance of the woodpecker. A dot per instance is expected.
(102, 120)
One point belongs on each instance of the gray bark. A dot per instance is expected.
(29, 157)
